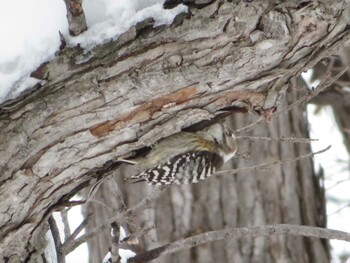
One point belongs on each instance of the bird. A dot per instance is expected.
(186, 157)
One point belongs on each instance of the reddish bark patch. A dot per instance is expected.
(145, 111)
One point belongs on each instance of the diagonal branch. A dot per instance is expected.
(68, 246)
(235, 233)
(327, 81)
(281, 139)
(121, 218)
(254, 167)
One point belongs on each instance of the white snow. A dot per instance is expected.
(29, 36)
(122, 233)
(125, 254)
(29, 32)
(335, 163)
(115, 17)
(107, 257)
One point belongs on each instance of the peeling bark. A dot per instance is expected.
(100, 104)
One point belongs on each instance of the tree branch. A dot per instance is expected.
(66, 227)
(282, 139)
(254, 167)
(56, 238)
(68, 246)
(75, 17)
(327, 81)
(123, 217)
(235, 233)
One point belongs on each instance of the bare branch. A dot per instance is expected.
(235, 233)
(248, 127)
(57, 240)
(139, 233)
(282, 139)
(67, 246)
(338, 210)
(66, 227)
(254, 167)
(117, 195)
(327, 81)
(123, 217)
(121, 207)
(114, 249)
(143, 204)
(76, 17)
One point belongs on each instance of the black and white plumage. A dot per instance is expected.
(185, 157)
(180, 169)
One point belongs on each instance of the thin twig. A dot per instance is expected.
(253, 124)
(328, 80)
(66, 227)
(337, 183)
(117, 195)
(145, 203)
(123, 217)
(66, 246)
(114, 250)
(139, 233)
(282, 139)
(338, 210)
(116, 233)
(56, 238)
(254, 167)
(235, 233)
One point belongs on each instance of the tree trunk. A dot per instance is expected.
(98, 105)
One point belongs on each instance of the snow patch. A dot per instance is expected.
(110, 22)
(29, 36)
(29, 32)
(125, 254)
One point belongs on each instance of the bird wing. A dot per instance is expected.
(189, 167)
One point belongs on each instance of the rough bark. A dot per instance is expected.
(100, 104)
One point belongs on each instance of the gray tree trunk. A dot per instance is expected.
(151, 82)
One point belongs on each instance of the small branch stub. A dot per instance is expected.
(76, 17)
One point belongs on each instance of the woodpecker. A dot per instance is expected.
(186, 157)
